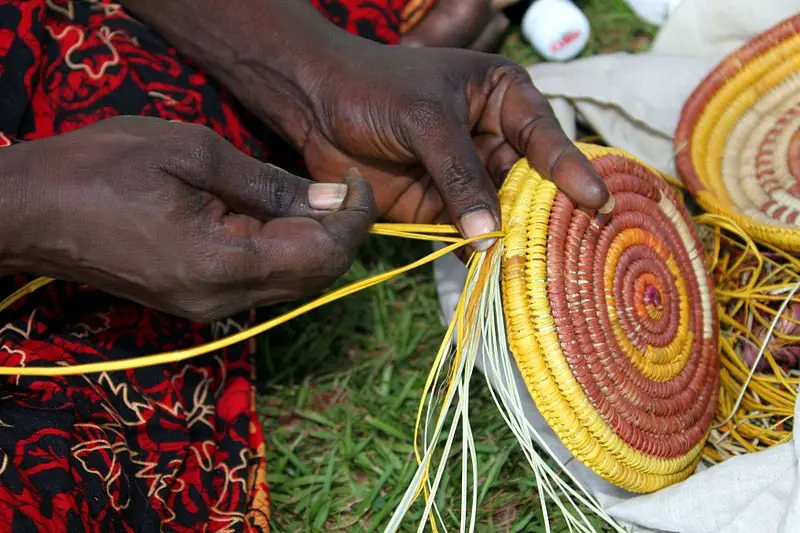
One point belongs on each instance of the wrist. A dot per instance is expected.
(12, 206)
(23, 222)
(273, 55)
(281, 83)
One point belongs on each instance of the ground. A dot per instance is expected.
(340, 386)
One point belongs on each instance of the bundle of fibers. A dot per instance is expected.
(612, 323)
(756, 285)
(738, 138)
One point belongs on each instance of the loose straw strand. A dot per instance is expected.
(181, 355)
(23, 291)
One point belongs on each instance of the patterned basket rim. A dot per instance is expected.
(694, 110)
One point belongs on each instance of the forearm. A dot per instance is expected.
(271, 54)
(20, 210)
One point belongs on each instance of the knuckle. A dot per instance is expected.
(197, 145)
(527, 133)
(456, 178)
(204, 141)
(426, 114)
(277, 189)
(506, 69)
(516, 71)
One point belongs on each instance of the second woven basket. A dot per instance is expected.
(612, 321)
(738, 139)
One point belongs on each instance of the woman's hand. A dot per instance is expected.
(432, 129)
(174, 217)
(435, 130)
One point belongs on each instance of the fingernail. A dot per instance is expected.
(479, 223)
(608, 206)
(326, 196)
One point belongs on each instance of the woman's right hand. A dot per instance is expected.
(172, 216)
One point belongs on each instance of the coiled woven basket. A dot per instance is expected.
(738, 138)
(612, 321)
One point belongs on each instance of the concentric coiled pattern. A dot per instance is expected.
(738, 140)
(612, 321)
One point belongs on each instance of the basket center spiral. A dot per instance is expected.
(612, 321)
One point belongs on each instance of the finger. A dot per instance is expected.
(497, 156)
(294, 257)
(254, 188)
(530, 126)
(451, 24)
(470, 198)
(501, 163)
(464, 254)
(292, 248)
(350, 225)
(266, 191)
(492, 35)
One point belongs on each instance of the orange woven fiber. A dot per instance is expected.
(612, 321)
(413, 12)
(738, 138)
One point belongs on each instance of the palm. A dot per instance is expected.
(403, 190)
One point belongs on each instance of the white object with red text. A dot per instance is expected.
(557, 29)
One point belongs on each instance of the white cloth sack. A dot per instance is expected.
(634, 102)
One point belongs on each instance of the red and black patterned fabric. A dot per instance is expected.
(169, 448)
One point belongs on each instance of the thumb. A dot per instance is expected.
(261, 190)
(266, 191)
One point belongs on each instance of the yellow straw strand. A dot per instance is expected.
(24, 291)
(181, 355)
(754, 281)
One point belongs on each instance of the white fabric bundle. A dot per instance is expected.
(634, 102)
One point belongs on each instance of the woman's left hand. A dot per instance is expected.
(435, 130)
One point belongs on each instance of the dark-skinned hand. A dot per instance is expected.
(174, 217)
(435, 130)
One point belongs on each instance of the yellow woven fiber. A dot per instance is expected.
(735, 135)
(752, 280)
(527, 201)
(648, 428)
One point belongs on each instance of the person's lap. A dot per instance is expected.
(167, 447)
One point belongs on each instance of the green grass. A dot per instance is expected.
(614, 29)
(341, 385)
